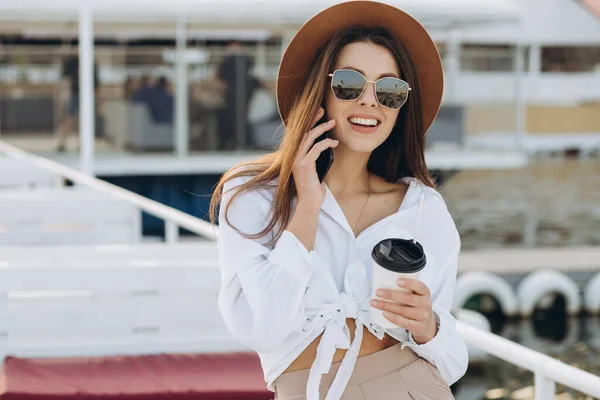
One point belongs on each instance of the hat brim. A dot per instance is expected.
(301, 52)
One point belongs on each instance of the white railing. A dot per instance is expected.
(547, 370)
(173, 218)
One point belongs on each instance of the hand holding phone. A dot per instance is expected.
(326, 157)
(314, 160)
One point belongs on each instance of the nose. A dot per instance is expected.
(368, 96)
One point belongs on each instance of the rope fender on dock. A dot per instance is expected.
(473, 283)
(591, 295)
(540, 283)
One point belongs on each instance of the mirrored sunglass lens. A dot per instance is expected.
(392, 92)
(347, 84)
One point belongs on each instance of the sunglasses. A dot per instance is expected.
(348, 85)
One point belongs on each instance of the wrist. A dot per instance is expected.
(309, 206)
(429, 333)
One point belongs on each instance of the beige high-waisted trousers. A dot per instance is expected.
(389, 374)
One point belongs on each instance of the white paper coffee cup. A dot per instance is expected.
(388, 266)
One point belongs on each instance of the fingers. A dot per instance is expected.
(315, 133)
(406, 323)
(415, 285)
(318, 148)
(397, 296)
(415, 313)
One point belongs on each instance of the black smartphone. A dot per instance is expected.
(326, 157)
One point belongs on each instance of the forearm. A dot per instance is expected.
(303, 224)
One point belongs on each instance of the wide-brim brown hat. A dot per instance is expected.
(301, 52)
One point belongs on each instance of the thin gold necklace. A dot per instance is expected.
(365, 205)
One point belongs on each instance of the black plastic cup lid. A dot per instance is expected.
(399, 255)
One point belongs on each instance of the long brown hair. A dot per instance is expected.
(400, 155)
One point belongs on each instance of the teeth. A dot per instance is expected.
(364, 121)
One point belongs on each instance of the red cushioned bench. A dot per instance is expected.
(202, 376)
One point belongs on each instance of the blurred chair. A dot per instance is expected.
(204, 126)
(145, 134)
(29, 108)
(265, 123)
(116, 121)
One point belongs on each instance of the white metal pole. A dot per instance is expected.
(452, 65)
(86, 89)
(240, 99)
(261, 60)
(171, 232)
(545, 388)
(535, 59)
(181, 90)
(520, 97)
(535, 69)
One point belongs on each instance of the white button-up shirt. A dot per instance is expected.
(278, 299)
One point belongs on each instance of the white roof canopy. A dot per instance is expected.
(545, 22)
(255, 14)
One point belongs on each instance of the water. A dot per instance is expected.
(549, 203)
(575, 341)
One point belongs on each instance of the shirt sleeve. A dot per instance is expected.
(448, 349)
(261, 298)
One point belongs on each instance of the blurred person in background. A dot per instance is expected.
(143, 88)
(162, 107)
(239, 85)
(157, 98)
(130, 87)
(71, 115)
(295, 248)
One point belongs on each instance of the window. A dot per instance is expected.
(489, 58)
(571, 59)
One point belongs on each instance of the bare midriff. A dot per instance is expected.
(370, 344)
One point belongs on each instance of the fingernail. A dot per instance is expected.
(373, 302)
(400, 282)
(331, 121)
(386, 314)
(336, 141)
(379, 292)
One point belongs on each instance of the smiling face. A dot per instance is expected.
(374, 62)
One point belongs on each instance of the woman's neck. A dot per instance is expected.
(349, 173)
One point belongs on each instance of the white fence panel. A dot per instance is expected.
(87, 308)
(30, 282)
(138, 254)
(66, 216)
(21, 174)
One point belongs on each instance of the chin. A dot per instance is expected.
(361, 144)
(357, 147)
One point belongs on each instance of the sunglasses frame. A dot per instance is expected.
(365, 86)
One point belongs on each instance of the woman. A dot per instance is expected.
(296, 253)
